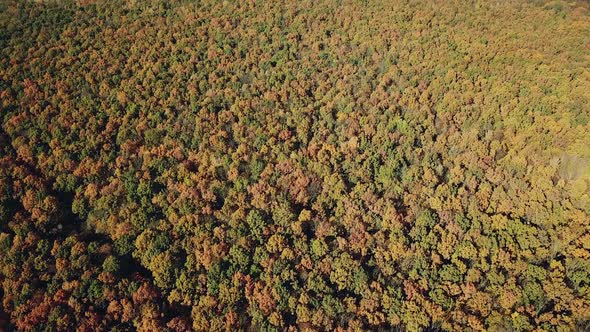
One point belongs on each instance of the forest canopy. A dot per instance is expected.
(332, 165)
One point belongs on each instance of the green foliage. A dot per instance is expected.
(294, 165)
(111, 264)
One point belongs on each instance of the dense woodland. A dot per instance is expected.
(294, 165)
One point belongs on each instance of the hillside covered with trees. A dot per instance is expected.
(331, 165)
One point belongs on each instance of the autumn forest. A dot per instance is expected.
(330, 165)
